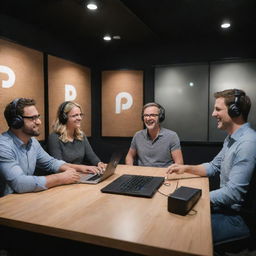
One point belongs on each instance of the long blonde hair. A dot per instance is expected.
(60, 127)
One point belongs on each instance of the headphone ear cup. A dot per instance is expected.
(16, 122)
(234, 110)
(161, 114)
(63, 118)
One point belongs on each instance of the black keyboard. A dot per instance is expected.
(135, 183)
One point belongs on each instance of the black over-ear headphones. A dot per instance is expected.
(62, 115)
(161, 111)
(234, 109)
(16, 121)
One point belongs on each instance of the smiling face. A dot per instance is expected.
(151, 117)
(31, 127)
(220, 112)
(75, 117)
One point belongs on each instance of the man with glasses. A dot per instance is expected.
(21, 153)
(155, 145)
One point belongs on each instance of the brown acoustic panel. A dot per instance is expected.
(21, 75)
(69, 81)
(122, 101)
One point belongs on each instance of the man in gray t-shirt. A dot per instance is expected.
(154, 146)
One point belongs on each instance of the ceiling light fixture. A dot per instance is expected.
(107, 38)
(117, 37)
(92, 6)
(225, 25)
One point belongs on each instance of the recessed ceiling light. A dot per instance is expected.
(117, 37)
(225, 25)
(92, 6)
(107, 38)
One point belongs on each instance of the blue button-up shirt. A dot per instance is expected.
(235, 163)
(18, 162)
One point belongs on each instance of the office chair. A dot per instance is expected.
(248, 212)
(238, 245)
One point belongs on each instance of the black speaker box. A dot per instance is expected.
(183, 199)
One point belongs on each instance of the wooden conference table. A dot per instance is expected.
(81, 212)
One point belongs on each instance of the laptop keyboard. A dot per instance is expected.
(95, 177)
(135, 183)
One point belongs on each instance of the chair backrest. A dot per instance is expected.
(248, 213)
(248, 210)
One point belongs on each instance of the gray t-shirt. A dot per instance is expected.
(155, 153)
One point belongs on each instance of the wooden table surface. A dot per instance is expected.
(83, 213)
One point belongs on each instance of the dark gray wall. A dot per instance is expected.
(183, 91)
(145, 57)
(186, 92)
(236, 74)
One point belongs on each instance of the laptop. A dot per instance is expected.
(110, 169)
(134, 185)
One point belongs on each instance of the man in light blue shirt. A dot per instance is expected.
(235, 164)
(21, 153)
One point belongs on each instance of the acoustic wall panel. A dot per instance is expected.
(240, 75)
(122, 101)
(68, 81)
(21, 75)
(183, 92)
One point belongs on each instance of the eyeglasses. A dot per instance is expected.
(32, 118)
(77, 115)
(150, 115)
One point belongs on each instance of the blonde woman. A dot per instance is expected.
(68, 142)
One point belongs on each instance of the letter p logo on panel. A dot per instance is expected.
(70, 92)
(11, 76)
(123, 106)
